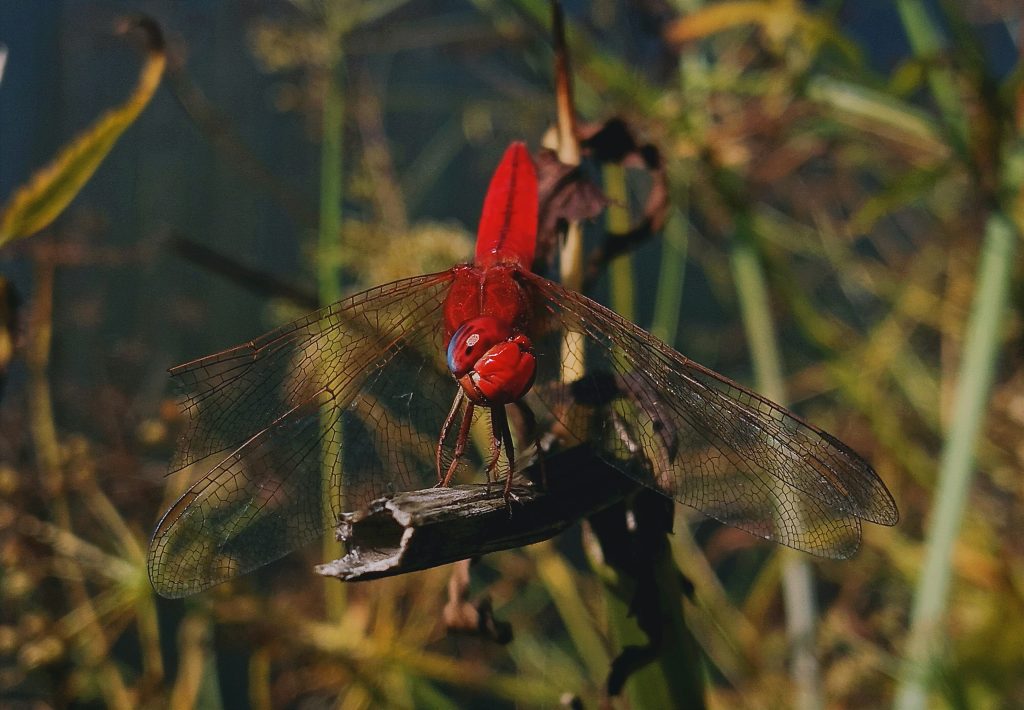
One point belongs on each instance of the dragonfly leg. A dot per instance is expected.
(530, 427)
(460, 443)
(456, 404)
(495, 442)
(500, 421)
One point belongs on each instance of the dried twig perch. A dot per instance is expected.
(435, 526)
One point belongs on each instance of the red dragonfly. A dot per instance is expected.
(434, 377)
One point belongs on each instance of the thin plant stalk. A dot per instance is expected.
(956, 472)
(924, 648)
(331, 146)
(570, 262)
(620, 270)
(557, 576)
(927, 42)
(675, 676)
(94, 646)
(797, 578)
(669, 297)
(649, 687)
(328, 242)
(571, 274)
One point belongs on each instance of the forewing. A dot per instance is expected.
(702, 439)
(312, 419)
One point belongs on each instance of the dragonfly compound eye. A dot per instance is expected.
(492, 365)
(503, 374)
(472, 339)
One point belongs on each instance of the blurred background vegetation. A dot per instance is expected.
(846, 188)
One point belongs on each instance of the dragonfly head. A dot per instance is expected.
(493, 364)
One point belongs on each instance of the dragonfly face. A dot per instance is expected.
(492, 365)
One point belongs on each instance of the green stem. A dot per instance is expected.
(927, 42)
(669, 297)
(797, 578)
(677, 675)
(328, 284)
(620, 270)
(977, 372)
(329, 234)
(557, 576)
(754, 300)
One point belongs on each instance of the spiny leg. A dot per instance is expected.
(495, 443)
(530, 427)
(445, 428)
(460, 442)
(500, 422)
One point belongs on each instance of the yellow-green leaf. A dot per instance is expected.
(778, 19)
(719, 17)
(36, 204)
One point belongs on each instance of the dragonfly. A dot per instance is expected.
(434, 378)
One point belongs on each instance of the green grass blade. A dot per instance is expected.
(797, 578)
(977, 372)
(928, 42)
(328, 284)
(669, 297)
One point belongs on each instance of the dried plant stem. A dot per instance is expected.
(571, 253)
(573, 366)
(94, 643)
(196, 683)
(675, 677)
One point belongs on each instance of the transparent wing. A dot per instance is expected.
(703, 439)
(312, 419)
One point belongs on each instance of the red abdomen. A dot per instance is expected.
(508, 224)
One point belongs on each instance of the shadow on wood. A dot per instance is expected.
(435, 526)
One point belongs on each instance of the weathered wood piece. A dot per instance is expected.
(435, 526)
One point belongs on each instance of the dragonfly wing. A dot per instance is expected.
(314, 418)
(704, 440)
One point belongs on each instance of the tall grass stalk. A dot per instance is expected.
(977, 371)
(557, 577)
(924, 649)
(328, 242)
(331, 146)
(676, 677)
(927, 42)
(620, 271)
(797, 577)
(93, 645)
(669, 297)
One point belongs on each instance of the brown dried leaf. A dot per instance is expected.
(566, 195)
(613, 142)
